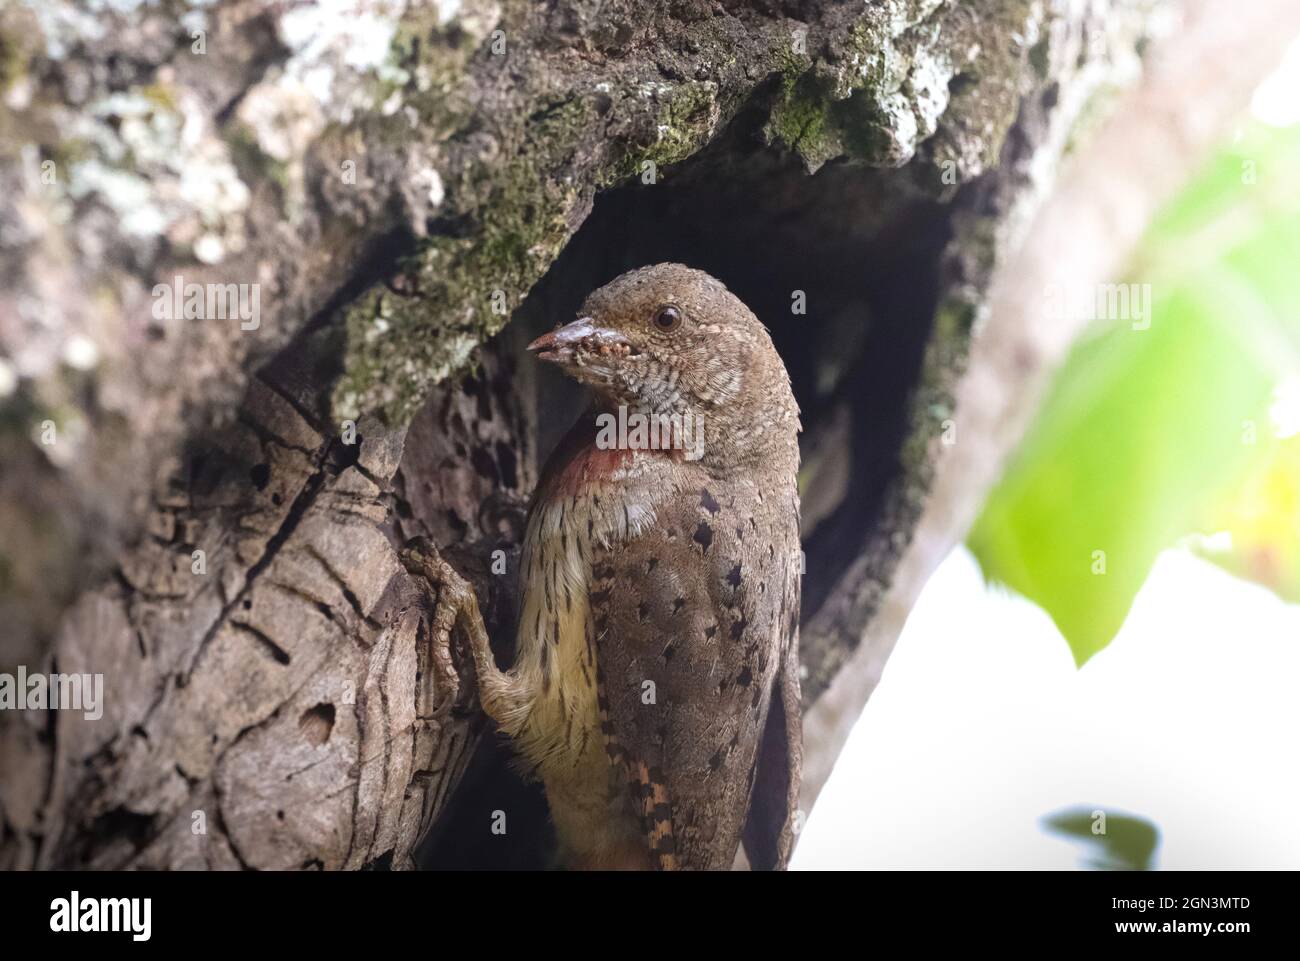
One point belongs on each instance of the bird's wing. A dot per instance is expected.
(773, 810)
(691, 619)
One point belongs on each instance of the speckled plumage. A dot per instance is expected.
(655, 689)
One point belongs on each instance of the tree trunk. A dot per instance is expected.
(209, 513)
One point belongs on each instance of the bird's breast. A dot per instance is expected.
(556, 660)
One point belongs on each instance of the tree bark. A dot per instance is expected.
(1079, 235)
(399, 180)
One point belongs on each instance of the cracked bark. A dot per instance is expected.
(1079, 236)
(286, 700)
(282, 703)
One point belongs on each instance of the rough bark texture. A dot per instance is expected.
(1197, 83)
(401, 179)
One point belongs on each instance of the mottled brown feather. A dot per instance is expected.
(679, 577)
(698, 612)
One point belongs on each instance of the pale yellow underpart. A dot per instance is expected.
(556, 725)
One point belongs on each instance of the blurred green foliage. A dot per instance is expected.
(1149, 435)
(1262, 512)
(1113, 842)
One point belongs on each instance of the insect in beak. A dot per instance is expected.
(565, 344)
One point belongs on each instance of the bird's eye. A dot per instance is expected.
(668, 318)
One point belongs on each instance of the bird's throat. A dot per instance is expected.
(600, 452)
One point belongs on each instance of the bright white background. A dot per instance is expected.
(981, 725)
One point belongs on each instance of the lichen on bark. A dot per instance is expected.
(868, 84)
(398, 166)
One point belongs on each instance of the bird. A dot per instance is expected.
(655, 687)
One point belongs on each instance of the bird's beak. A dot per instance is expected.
(559, 345)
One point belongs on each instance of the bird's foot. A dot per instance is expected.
(457, 604)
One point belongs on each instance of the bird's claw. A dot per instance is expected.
(499, 694)
(452, 593)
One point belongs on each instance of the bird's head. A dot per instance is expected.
(669, 339)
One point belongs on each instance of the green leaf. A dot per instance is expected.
(1120, 842)
(1262, 515)
(1143, 430)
